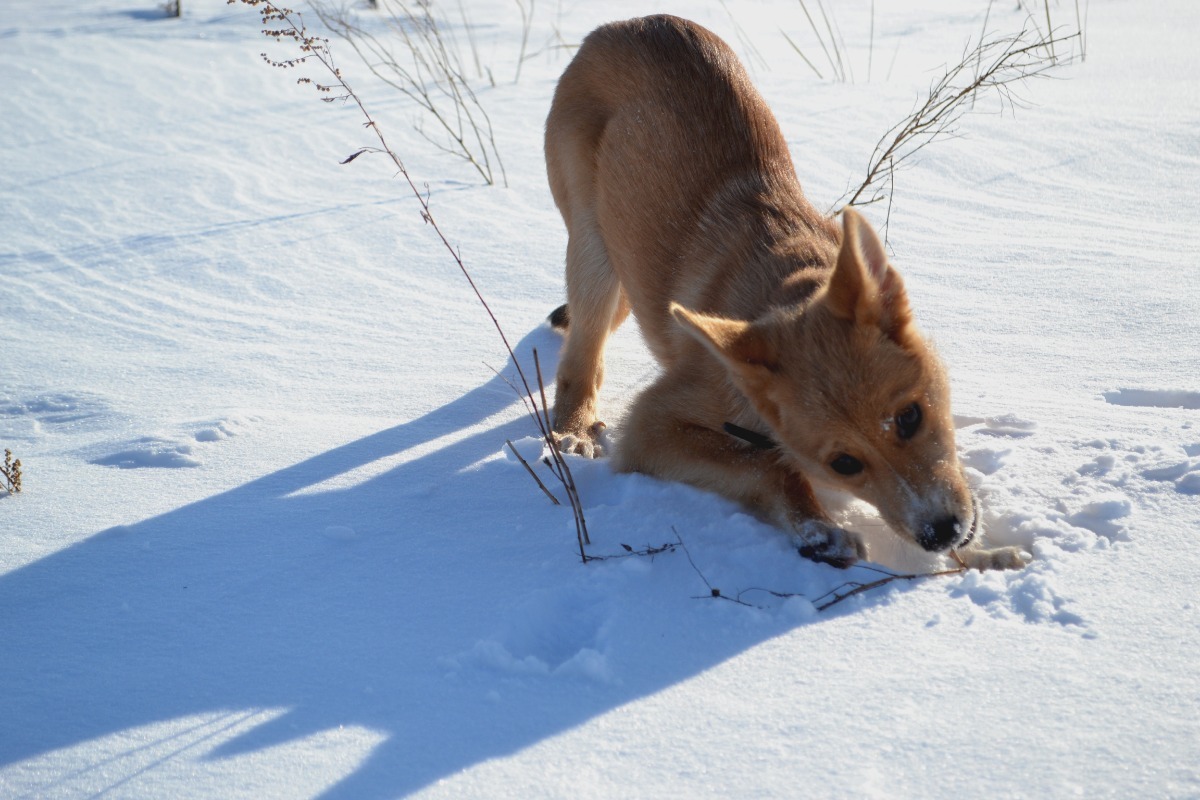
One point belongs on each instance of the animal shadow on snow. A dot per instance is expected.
(408, 604)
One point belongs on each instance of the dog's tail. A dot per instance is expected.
(560, 318)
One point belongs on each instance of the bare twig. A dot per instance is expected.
(1049, 29)
(995, 65)
(563, 471)
(537, 364)
(892, 63)
(427, 71)
(1081, 24)
(871, 47)
(837, 28)
(851, 588)
(713, 592)
(753, 56)
(800, 53)
(553, 42)
(833, 65)
(532, 474)
(829, 599)
(833, 42)
(526, 24)
(648, 551)
(470, 30)
(987, 15)
(283, 23)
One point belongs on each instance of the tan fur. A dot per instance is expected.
(682, 205)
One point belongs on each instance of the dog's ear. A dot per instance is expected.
(864, 288)
(747, 351)
(739, 345)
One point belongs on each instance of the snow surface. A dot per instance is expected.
(271, 542)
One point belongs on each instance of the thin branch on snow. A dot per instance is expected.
(532, 474)
(428, 72)
(851, 588)
(996, 66)
(649, 551)
(285, 24)
(831, 598)
(713, 592)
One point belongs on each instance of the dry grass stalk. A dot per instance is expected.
(836, 38)
(829, 599)
(554, 41)
(1050, 28)
(871, 45)
(526, 24)
(559, 465)
(1081, 26)
(1032, 12)
(996, 66)
(713, 592)
(836, 52)
(11, 473)
(532, 474)
(285, 24)
(800, 53)
(835, 64)
(469, 28)
(427, 69)
(649, 551)
(851, 588)
(753, 57)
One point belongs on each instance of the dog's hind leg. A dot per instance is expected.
(660, 438)
(595, 306)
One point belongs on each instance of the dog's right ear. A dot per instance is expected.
(864, 288)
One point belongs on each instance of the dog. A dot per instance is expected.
(788, 349)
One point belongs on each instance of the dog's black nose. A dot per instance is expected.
(941, 533)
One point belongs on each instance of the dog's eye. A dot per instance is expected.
(908, 421)
(844, 464)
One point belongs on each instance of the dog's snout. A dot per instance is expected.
(941, 533)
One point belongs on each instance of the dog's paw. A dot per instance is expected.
(998, 558)
(828, 544)
(587, 444)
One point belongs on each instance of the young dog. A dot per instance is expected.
(788, 349)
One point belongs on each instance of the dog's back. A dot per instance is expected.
(657, 134)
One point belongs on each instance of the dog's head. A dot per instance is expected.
(854, 395)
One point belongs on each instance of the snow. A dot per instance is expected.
(272, 543)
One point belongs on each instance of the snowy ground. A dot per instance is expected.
(271, 543)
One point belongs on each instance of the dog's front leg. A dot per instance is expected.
(820, 540)
(658, 443)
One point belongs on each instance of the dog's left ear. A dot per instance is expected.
(739, 345)
(864, 288)
(746, 350)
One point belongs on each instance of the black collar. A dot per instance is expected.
(756, 440)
